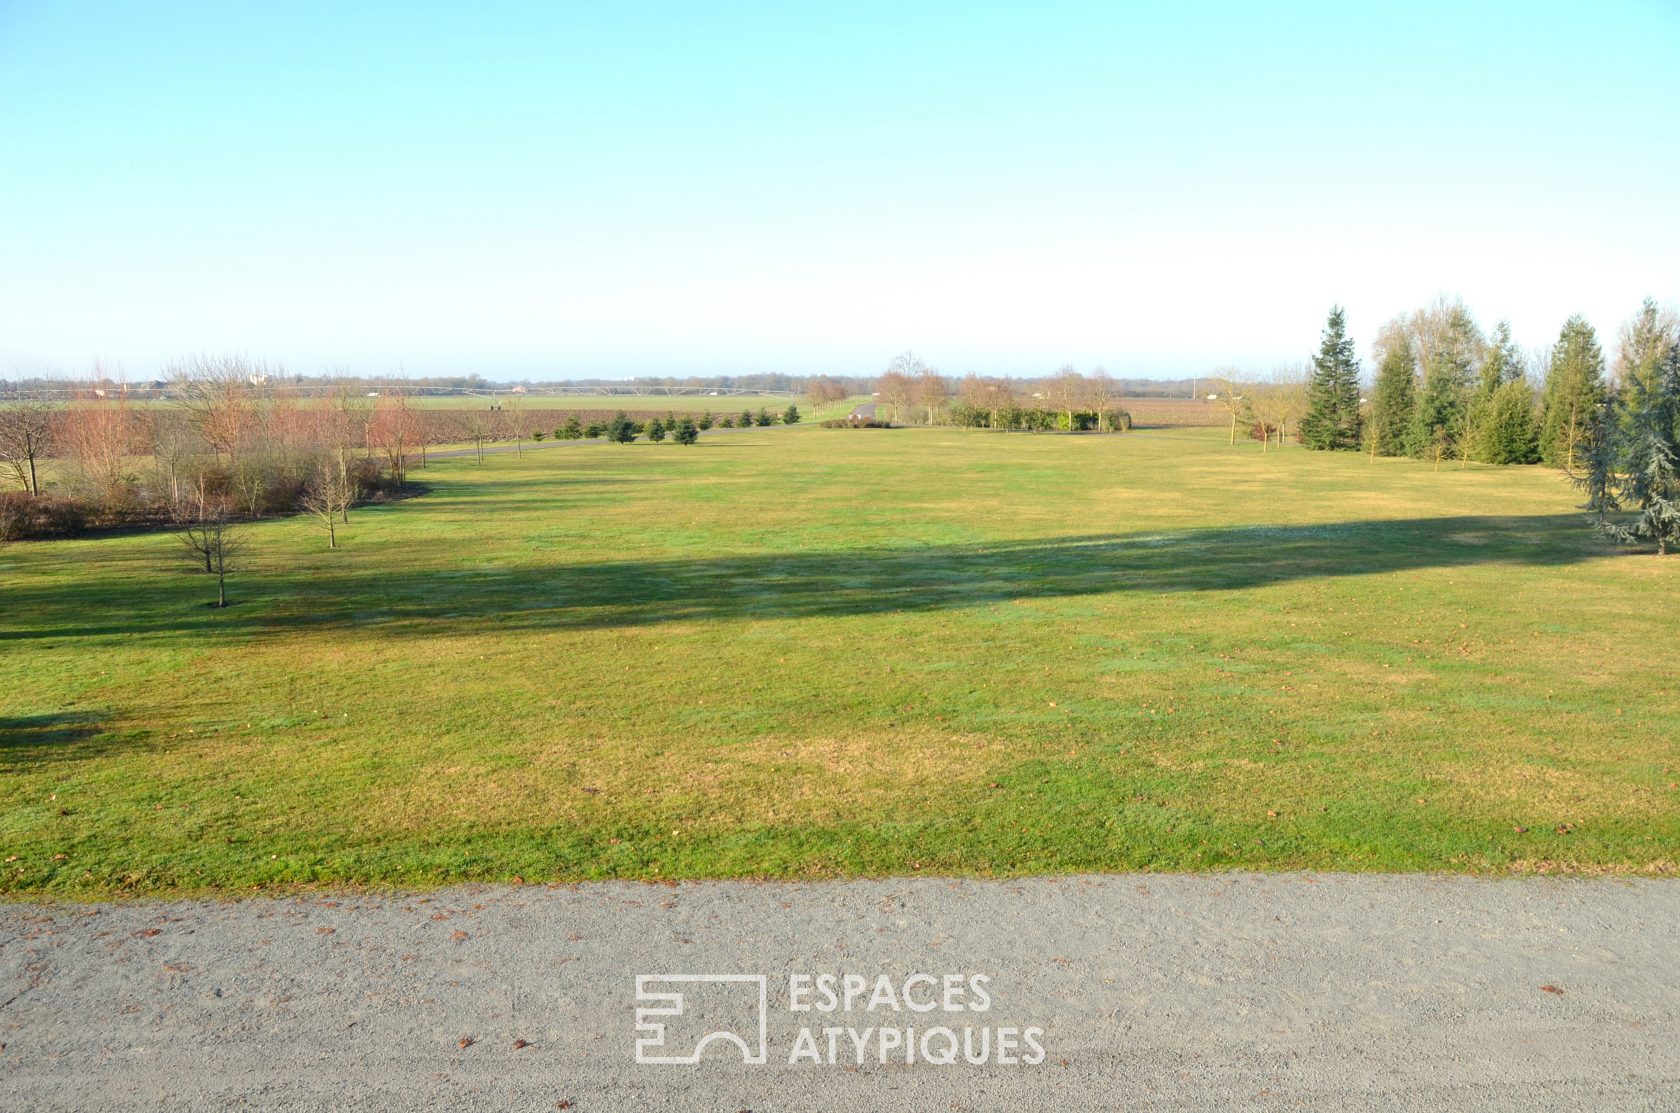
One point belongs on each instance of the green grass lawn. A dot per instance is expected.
(806, 652)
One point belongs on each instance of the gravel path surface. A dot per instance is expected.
(1153, 992)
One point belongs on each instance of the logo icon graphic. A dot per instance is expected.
(696, 1010)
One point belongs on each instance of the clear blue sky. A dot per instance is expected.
(620, 188)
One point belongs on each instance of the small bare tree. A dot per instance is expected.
(217, 395)
(929, 390)
(1289, 389)
(820, 392)
(328, 495)
(897, 385)
(1234, 397)
(1066, 391)
(475, 427)
(205, 526)
(1102, 391)
(26, 429)
(395, 432)
(518, 423)
(98, 434)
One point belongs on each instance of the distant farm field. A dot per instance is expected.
(608, 403)
(806, 652)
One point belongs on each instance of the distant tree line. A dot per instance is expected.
(1066, 401)
(229, 446)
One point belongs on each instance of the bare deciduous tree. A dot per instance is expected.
(395, 431)
(1102, 390)
(1289, 387)
(205, 526)
(98, 434)
(928, 390)
(1066, 391)
(26, 429)
(328, 495)
(821, 391)
(475, 427)
(1232, 396)
(217, 395)
(897, 385)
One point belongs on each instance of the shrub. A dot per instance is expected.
(764, 417)
(856, 423)
(596, 429)
(706, 421)
(745, 421)
(40, 516)
(538, 435)
(790, 416)
(726, 423)
(571, 431)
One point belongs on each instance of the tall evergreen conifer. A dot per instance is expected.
(1573, 391)
(1332, 418)
(1438, 422)
(1394, 399)
(1648, 475)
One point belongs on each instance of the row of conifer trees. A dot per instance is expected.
(1444, 390)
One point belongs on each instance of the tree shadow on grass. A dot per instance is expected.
(27, 740)
(833, 583)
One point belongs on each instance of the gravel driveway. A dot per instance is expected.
(1152, 992)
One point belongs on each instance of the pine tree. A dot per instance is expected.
(1438, 422)
(1502, 363)
(790, 416)
(621, 428)
(1394, 399)
(1574, 389)
(1332, 418)
(686, 432)
(1599, 463)
(1508, 433)
(656, 430)
(1648, 480)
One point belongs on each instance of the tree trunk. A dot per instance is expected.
(1570, 465)
(221, 590)
(332, 534)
